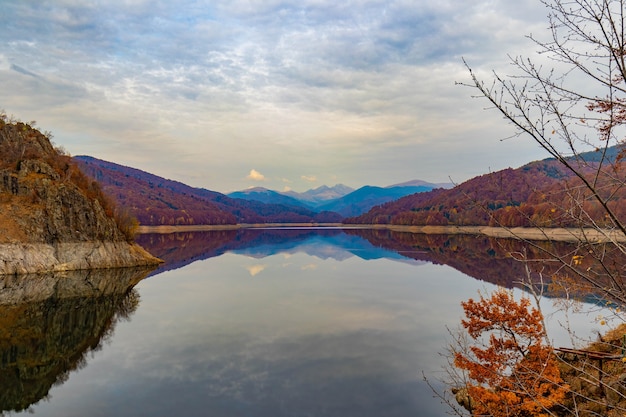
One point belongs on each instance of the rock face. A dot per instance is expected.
(52, 217)
(28, 258)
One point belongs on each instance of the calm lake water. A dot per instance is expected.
(250, 323)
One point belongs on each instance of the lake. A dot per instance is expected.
(257, 322)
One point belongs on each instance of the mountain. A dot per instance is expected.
(418, 183)
(363, 199)
(52, 217)
(339, 199)
(158, 201)
(154, 200)
(320, 195)
(532, 195)
(610, 154)
(268, 196)
(540, 194)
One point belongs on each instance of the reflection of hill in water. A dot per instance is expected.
(507, 262)
(48, 323)
(180, 249)
(480, 257)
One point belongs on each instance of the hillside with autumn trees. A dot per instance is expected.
(539, 194)
(158, 201)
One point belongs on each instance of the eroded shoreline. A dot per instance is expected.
(34, 258)
(522, 233)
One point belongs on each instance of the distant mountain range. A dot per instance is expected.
(154, 200)
(539, 193)
(339, 199)
(363, 199)
(321, 194)
(267, 196)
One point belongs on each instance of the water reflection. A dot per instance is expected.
(50, 322)
(180, 249)
(480, 257)
(249, 323)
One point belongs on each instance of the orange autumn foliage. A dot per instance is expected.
(513, 372)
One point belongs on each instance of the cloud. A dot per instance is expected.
(255, 175)
(362, 89)
(23, 71)
(309, 178)
(255, 269)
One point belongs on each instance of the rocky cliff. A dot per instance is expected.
(52, 217)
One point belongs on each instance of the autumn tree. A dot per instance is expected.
(512, 371)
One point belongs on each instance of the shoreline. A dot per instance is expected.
(36, 258)
(520, 233)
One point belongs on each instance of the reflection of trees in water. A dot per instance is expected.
(494, 260)
(481, 257)
(488, 259)
(182, 248)
(49, 324)
(511, 262)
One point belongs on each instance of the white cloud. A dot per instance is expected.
(309, 178)
(255, 175)
(256, 269)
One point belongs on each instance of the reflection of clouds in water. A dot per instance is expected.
(308, 267)
(365, 369)
(256, 269)
(346, 339)
(299, 317)
(326, 251)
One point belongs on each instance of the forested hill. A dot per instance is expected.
(154, 200)
(532, 195)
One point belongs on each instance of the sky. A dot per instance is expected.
(281, 94)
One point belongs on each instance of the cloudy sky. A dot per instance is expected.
(228, 94)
